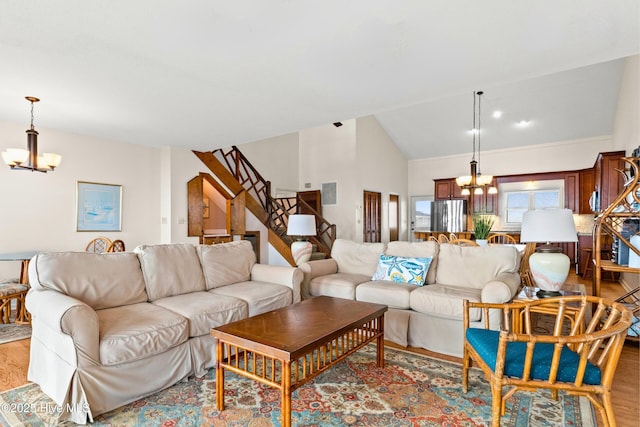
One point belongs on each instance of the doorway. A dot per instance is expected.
(394, 215)
(420, 215)
(371, 213)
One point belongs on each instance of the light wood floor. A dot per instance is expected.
(14, 361)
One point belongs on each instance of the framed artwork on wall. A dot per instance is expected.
(205, 208)
(98, 207)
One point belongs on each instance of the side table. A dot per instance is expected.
(528, 293)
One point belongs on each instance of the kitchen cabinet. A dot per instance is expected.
(572, 191)
(587, 187)
(608, 181)
(485, 202)
(447, 189)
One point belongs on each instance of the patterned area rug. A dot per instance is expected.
(12, 332)
(412, 390)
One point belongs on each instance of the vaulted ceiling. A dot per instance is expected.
(204, 74)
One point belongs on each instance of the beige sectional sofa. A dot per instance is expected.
(428, 316)
(109, 329)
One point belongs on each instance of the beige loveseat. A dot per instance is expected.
(428, 316)
(109, 329)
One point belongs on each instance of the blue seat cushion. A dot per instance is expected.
(485, 342)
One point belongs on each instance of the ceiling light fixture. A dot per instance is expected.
(476, 181)
(20, 159)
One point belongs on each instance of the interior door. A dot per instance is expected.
(372, 221)
(312, 198)
(195, 207)
(394, 215)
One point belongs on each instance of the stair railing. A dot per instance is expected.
(277, 209)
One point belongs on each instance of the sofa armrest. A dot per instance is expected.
(501, 289)
(312, 269)
(66, 316)
(281, 275)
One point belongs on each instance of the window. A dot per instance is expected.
(518, 202)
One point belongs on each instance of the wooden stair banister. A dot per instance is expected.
(235, 171)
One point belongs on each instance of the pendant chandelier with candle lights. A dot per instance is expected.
(21, 159)
(476, 181)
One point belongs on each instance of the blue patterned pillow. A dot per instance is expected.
(402, 269)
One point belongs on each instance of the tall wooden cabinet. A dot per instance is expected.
(625, 206)
(608, 182)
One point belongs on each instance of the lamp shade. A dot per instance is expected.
(548, 225)
(301, 225)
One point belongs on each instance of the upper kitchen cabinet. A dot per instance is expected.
(587, 187)
(447, 189)
(485, 202)
(608, 181)
(572, 191)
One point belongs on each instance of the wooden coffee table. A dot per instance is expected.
(287, 347)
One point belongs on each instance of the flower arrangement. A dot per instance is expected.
(482, 224)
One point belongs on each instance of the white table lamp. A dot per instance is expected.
(301, 226)
(549, 266)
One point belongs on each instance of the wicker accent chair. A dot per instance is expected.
(580, 364)
(99, 245)
(463, 242)
(501, 238)
(116, 246)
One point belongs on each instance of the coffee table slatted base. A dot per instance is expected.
(288, 375)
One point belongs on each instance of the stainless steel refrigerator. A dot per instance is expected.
(449, 215)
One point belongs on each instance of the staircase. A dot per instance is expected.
(235, 171)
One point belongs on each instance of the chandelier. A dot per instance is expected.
(476, 181)
(20, 159)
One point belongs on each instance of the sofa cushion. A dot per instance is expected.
(205, 310)
(339, 285)
(417, 249)
(356, 258)
(393, 294)
(259, 296)
(401, 269)
(226, 263)
(136, 331)
(444, 301)
(474, 266)
(98, 280)
(170, 270)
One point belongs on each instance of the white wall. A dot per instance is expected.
(381, 167)
(626, 133)
(328, 154)
(38, 210)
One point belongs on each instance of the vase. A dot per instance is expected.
(481, 242)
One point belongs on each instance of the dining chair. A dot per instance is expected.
(116, 246)
(442, 238)
(577, 360)
(501, 238)
(463, 242)
(98, 245)
(433, 239)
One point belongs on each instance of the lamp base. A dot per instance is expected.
(301, 251)
(548, 294)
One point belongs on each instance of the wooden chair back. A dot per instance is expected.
(116, 246)
(463, 242)
(501, 238)
(442, 238)
(98, 245)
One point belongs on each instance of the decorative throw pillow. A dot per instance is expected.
(402, 269)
